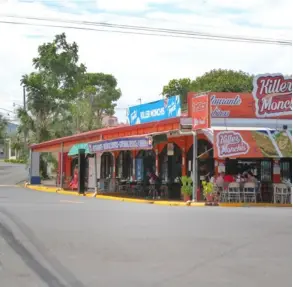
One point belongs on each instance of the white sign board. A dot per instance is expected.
(35, 164)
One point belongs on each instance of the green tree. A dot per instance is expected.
(98, 98)
(3, 125)
(216, 81)
(223, 81)
(58, 60)
(58, 79)
(178, 87)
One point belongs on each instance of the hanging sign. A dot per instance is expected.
(200, 112)
(135, 143)
(170, 149)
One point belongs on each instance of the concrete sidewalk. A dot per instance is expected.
(157, 202)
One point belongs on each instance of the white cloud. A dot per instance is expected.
(143, 64)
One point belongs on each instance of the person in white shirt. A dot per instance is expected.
(220, 180)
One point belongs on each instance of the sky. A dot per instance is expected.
(144, 64)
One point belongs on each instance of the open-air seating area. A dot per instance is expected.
(134, 188)
(251, 192)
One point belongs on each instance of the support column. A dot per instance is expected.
(30, 165)
(195, 168)
(133, 164)
(95, 172)
(183, 166)
(114, 165)
(157, 162)
(35, 168)
(62, 165)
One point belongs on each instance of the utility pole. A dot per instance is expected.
(24, 107)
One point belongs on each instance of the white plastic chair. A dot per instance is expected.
(281, 193)
(249, 192)
(223, 193)
(234, 192)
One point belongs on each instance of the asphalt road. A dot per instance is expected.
(55, 240)
(11, 173)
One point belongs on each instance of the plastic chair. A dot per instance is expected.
(281, 193)
(234, 192)
(249, 192)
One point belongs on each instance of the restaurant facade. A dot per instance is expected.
(232, 132)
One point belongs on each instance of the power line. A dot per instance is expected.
(143, 30)
(6, 110)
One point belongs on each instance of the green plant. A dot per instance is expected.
(15, 160)
(208, 188)
(186, 187)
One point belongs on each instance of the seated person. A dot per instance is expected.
(228, 178)
(220, 180)
(251, 178)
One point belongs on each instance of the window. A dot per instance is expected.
(286, 169)
(266, 171)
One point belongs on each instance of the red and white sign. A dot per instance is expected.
(200, 112)
(272, 95)
(230, 143)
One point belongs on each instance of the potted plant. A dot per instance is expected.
(186, 188)
(208, 191)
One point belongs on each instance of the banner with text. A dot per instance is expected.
(252, 144)
(200, 112)
(135, 143)
(271, 98)
(155, 111)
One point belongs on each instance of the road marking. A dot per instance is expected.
(69, 201)
(7, 185)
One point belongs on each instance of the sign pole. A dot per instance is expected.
(194, 168)
(61, 167)
(95, 172)
(200, 120)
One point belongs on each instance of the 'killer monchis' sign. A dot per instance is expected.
(271, 98)
(272, 95)
(230, 143)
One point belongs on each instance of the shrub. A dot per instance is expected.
(15, 161)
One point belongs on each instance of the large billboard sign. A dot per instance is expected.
(155, 111)
(252, 144)
(271, 98)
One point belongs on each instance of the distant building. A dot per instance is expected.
(11, 128)
(5, 150)
(111, 121)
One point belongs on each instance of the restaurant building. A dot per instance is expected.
(241, 131)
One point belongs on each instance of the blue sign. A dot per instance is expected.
(155, 111)
(135, 143)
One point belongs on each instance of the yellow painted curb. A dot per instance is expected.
(254, 205)
(162, 203)
(126, 199)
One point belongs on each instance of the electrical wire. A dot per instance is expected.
(143, 30)
(149, 29)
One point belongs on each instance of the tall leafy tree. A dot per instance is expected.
(216, 81)
(3, 125)
(58, 60)
(178, 87)
(98, 98)
(61, 97)
(223, 81)
(58, 79)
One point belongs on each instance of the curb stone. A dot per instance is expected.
(162, 203)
